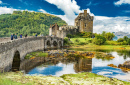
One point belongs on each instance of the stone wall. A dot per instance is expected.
(5, 39)
(23, 46)
(84, 22)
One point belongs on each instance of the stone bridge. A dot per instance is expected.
(12, 52)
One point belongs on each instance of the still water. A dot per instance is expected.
(93, 65)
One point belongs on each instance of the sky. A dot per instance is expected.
(109, 15)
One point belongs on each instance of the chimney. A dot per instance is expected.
(85, 13)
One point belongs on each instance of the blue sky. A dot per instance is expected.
(109, 15)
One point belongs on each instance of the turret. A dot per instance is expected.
(85, 13)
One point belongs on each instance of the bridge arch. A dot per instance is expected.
(55, 44)
(48, 43)
(16, 61)
(11, 51)
(60, 43)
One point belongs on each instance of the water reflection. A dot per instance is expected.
(84, 65)
(59, 65)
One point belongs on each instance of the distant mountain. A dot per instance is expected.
(120, 34)
(27, 23)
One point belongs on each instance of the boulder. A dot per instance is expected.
(125, 64)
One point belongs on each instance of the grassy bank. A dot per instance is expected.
(67, 79)
(36, 54)
(103, 47)
(86, 43)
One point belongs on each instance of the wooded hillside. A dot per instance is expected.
(27, 23)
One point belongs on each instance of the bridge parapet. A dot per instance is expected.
(16, 42)
(21, 46)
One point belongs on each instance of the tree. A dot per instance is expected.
(103, 33)
(128, 41)
(109, 36)
(27, 22)
(99, 39)
(120, 40)
(125, 38)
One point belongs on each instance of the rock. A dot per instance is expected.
(125, 66)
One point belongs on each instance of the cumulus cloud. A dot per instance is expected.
(69, 7)
(0, 2)
(41, 10)
(101, 23)
(5, 10)
(120, 2)
(111, 24)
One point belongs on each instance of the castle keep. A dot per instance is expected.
(83, 23)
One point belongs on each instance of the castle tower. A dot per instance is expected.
(85, 13)
(84, 22)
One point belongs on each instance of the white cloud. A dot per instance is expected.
(120, 2)
(90, 3)
(69, 7)
(123, 77)
(21, 0)
(67, 69)
(41, 10)
(111, 24)
(0, 2)
(101, 23)
(5, 10)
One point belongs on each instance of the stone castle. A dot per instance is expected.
(83, 23)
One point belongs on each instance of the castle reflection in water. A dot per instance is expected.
(79, 64)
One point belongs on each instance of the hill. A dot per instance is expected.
(27, 23)
(121, 34)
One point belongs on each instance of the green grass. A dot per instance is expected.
(36, 54)
(85, 78)
(80, 41)
(91, 46)
(6, 81)
(85, 43)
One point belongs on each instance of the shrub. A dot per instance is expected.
(128, 41)
(124, 43)
(125, 38)
(70, 36)
(66, 40)
(99, 39)
(89, 41)
(77, 40)
(111, 43)
(82, 43)
(120, 40)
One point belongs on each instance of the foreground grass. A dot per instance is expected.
(36, 54)
(67, 79)
(104, 47)
(91, 79)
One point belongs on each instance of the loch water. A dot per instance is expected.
(58, 67)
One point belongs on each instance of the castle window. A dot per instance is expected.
(85, 25)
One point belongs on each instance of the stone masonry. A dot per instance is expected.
(24, 46)
(83, 23)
